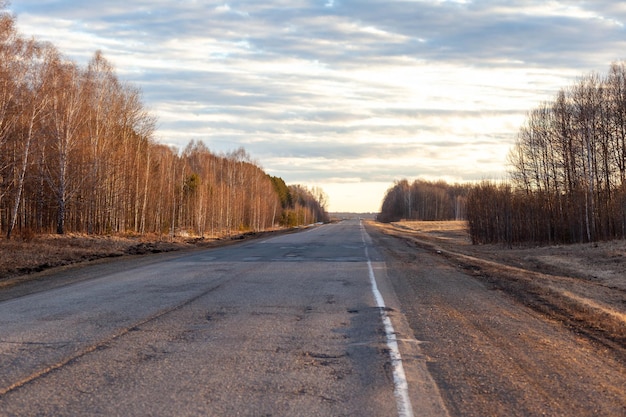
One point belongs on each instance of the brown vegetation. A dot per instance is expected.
(568, 171)
(582, 285)
(424, 200)
(77, 155)
(21, 258)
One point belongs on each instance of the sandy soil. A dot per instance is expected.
(584, 285)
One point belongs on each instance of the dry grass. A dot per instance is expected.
(23, 256)
(601, 262)
(582, 285)
(455, 231)
(28, 254)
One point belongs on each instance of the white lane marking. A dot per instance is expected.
(401, 390)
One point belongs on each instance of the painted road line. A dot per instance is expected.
(401, 386)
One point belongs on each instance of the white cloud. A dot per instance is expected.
(343, 94)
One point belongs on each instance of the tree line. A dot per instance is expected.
(568, 170)
(567, 174)
(78, 154)
(424, 200)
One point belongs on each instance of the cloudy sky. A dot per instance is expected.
(343, 94)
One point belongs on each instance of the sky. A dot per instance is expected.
(345, 95)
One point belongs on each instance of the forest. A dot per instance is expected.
(568, 171)
(78, 154)
(424, 200)
(567, 175)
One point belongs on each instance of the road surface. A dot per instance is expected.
(289, 326)
(331, 321)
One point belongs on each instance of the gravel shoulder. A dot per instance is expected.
(509, 331)
(583, 286)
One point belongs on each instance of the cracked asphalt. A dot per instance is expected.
(280, 327)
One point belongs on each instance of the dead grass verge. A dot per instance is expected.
(20, 257)
(578, 297)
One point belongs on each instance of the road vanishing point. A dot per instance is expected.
(323, 322)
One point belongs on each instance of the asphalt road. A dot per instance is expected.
(333, 321)
(304, 324)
